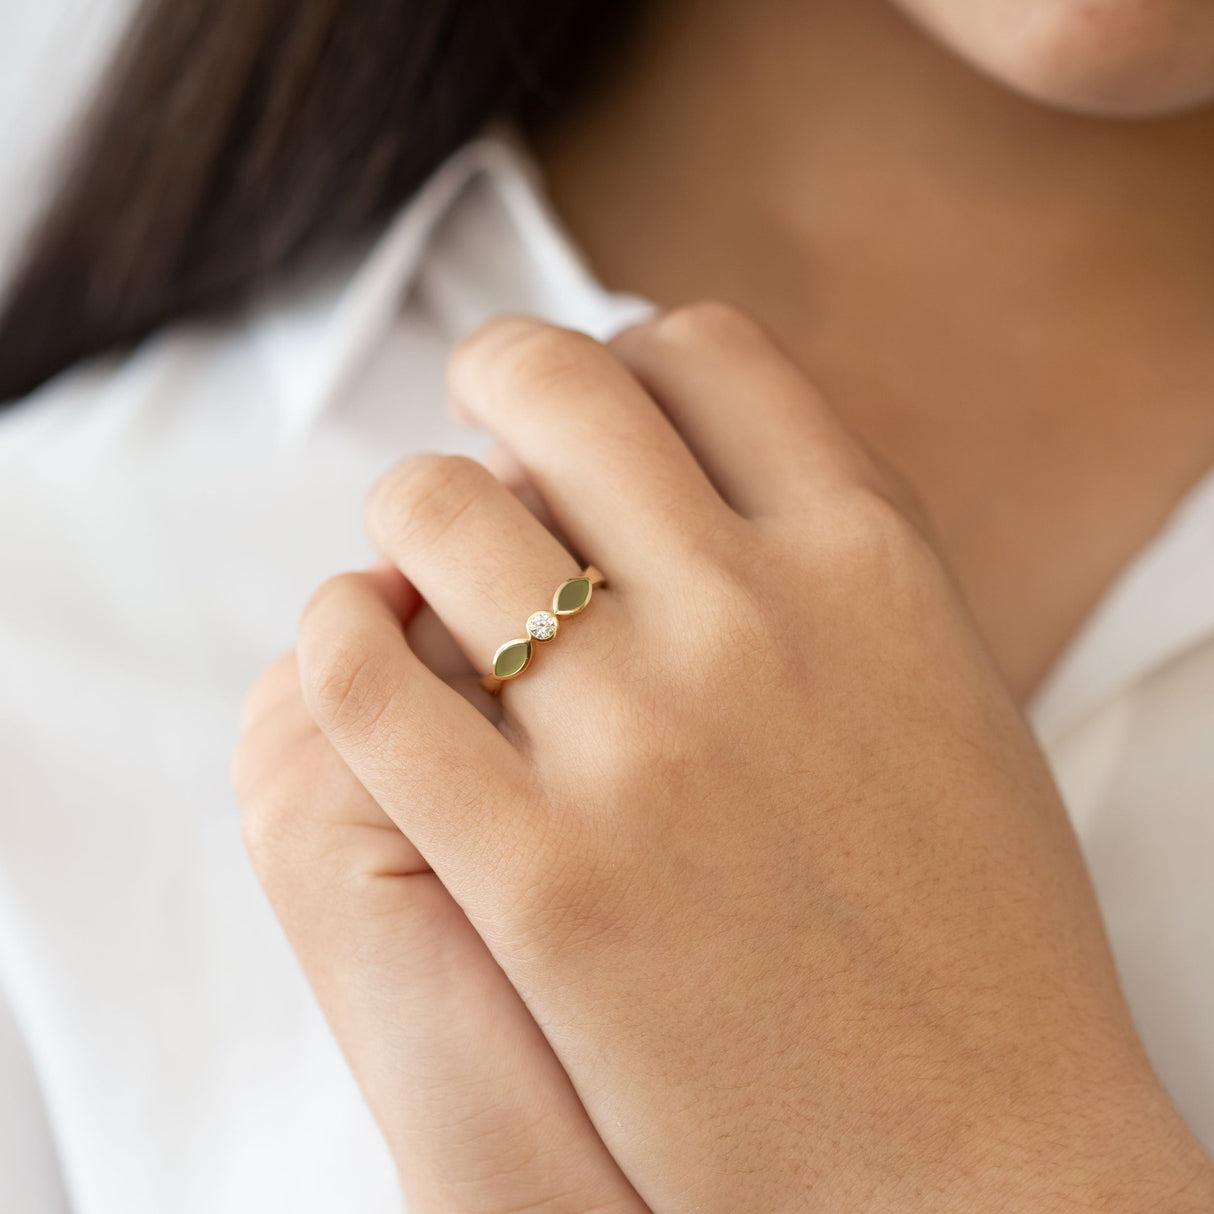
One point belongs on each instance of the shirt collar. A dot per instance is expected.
(1160, 607)
(315, 339)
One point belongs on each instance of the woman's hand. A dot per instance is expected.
(760, 840)
(478, 1113)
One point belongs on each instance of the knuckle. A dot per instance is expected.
(260, 818)
(726, 613)
(539, 357)
(344, 691)
(269, 688)
(876, 525)
(709, 322)
(273, 794)
(340, 679)
(254, 765)
(733, 622)
(724, 575)
(267, 831)
(423, 497)
(896, 487)
(866, 536)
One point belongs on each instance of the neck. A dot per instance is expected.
(1009, 303)
(827, 165)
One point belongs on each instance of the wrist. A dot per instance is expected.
(1103, 1153)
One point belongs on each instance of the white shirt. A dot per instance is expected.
(165, 515)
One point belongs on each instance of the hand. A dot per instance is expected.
(478, 1113)
(761, 841)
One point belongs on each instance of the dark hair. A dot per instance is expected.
(235, 140)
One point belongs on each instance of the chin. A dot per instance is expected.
(1114, 58)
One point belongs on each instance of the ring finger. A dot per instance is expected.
(472, 549)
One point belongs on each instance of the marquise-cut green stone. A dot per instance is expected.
(571, 596)
(512, 658)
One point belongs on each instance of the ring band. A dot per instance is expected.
(512, 658)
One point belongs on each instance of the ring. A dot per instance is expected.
(512, 658)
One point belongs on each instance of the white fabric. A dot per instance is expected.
(165, 516)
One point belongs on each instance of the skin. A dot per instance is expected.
(1131, 58)
(1008, 302)
(755, 892)
(763, 846)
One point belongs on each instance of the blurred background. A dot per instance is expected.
(51, 54)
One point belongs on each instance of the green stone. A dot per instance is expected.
(571, 596)
(512, 658)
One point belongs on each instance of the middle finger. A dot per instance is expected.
(618, 478)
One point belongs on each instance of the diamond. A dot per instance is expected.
(541, 625)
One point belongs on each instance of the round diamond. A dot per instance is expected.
(541, 625)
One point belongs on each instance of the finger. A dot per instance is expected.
(434, 645)
(407, 736)
(284, 750)
(594, 444)
(502, 463)
(274, 685)
(755, 423)
(479, 1115)
(477, 554)
(486, 1118)
(280, 679)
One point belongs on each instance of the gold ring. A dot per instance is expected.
(512, 658)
